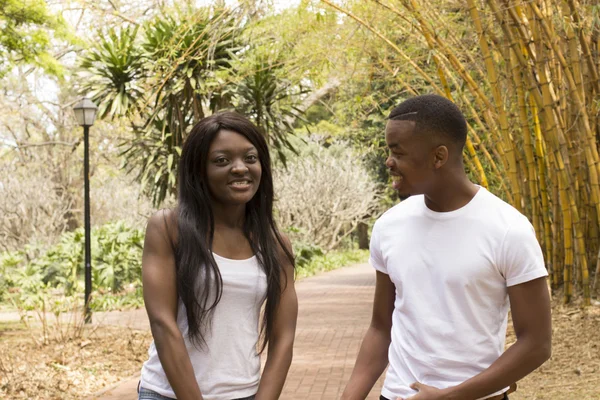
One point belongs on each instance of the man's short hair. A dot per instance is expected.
(433, 114)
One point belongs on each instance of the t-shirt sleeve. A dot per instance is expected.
(375, 257)
(521, 258)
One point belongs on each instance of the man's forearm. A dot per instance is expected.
(517, 362)
(371, 362)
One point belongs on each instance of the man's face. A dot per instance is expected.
(410, 160)
(233, 169)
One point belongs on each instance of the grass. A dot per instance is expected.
(330, 261)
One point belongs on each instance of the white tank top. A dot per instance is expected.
(228, 366)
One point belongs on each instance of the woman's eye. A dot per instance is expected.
(252, 158)
(221, 160)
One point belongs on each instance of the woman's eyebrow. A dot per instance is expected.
(251, 148)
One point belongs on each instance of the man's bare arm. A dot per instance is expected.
(373, 355)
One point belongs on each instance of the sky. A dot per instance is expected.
(46, 89)
(279, 4)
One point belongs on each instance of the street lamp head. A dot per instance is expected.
(85, 112)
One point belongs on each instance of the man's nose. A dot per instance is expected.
(389, 162)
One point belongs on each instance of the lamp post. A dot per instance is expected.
(85, 112)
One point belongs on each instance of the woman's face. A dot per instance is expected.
(233, 169)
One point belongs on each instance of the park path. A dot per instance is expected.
(334, 313)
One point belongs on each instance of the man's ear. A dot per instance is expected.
(440, 156)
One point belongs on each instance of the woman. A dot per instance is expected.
(210, 265)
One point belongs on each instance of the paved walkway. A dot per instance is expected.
(334, 313)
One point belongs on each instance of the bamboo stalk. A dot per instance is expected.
(540, 154)
(557, 230)
(531, 167)
(592, 156)
(597, 271)
(567, 227)
(580, 251)
(574, 7)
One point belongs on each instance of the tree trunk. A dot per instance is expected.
(362, 231)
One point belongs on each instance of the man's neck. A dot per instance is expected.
(454, 192)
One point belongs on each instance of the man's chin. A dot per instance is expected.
(402, 195)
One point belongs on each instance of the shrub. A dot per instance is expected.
(323, 195)
(116, 262)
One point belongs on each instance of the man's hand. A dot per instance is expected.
(426, 393)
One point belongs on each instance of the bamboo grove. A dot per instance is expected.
(531, 93)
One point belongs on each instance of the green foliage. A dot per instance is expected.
(27, 30)
(263, 95)
(311, 259)
(304, 253)
(164, 77)
(329, 261)
(114, 69)
(9, 261)
(118, 257)
(116, 266)
(175, 70)
(53, 282)
(131, 298)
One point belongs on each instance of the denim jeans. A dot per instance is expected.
(147, 394)
(385, 398)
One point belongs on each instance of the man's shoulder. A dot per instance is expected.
(401, 210)
(501, 212)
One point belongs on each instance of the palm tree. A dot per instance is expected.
(183, 67)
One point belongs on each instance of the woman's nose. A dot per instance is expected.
(239, 167)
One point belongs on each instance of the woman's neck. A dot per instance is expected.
(230, 217)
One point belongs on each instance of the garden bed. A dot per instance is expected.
(70, 368)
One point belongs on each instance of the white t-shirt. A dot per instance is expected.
(228, 367)
(451, 271)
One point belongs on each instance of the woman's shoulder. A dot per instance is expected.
(163, 224)
(285, 241)
(284, 249)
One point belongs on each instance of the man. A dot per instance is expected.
(450, 259)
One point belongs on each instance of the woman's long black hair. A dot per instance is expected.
(195, 225)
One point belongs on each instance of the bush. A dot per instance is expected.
(304, 253)
(9, 261)
(324, 194)
(34, 209)
(330, 261)
(60, 317)
(116, 264)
